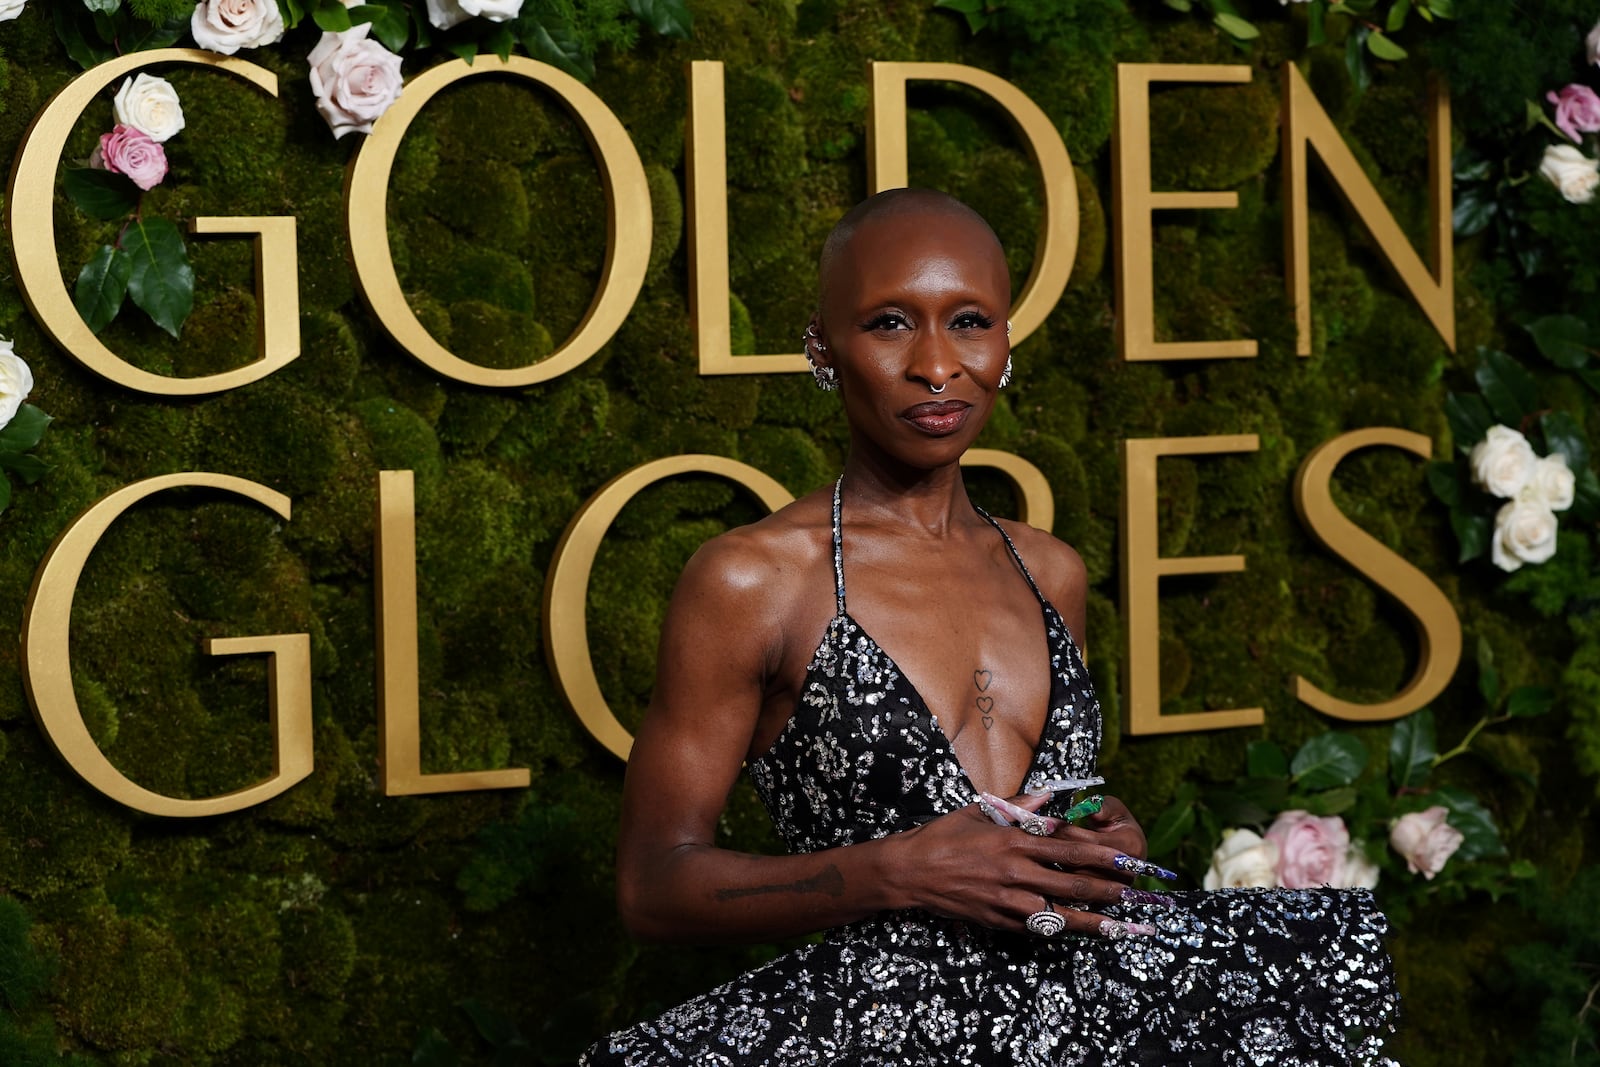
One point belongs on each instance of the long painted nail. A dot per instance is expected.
(993, 812)
(1136, 866)
(1131, 895)
(1085, 808)
(1069, 785)
(1116, 931)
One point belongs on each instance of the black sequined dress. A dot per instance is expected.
(1292, 978)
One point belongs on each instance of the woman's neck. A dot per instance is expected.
(877, 492)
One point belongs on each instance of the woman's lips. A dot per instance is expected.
(938, 417)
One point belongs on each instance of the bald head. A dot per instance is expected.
(888, 204)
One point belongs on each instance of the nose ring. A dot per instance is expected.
(939, 390)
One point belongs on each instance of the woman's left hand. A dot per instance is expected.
(1112, 826)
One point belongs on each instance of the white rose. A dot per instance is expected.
(1551, 483)
(446, 13)
(1569, 170)
(10, 9)
(1357, 872)
(1503, 462)
(228, 25)
(150, 105)
(1524, 532)
(354, 79)
(1426, 840)
(16, 382)
(1243, 859)
(1592, 45)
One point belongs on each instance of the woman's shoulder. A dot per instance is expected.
(1054, 564)
(768, 556)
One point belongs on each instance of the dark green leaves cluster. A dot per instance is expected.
(16, 438)
(93, 31)
(148, 262)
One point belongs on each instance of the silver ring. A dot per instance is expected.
(1036, 825)
(1046, 923)
(939, 390)
(1076, 905)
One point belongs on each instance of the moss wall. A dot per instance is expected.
(337, 925)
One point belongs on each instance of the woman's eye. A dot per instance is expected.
(887, 322)
(972, 320)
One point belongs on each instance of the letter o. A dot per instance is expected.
(628, 223)
(566, 598)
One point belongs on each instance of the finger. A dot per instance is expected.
(1049, 921)
(1070, 853)
(1041, 825)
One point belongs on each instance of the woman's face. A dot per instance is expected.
(915, 302)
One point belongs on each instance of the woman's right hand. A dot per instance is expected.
(964, 866)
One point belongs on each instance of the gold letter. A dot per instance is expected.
(399, 728)
(29, 216)
(366, 196)
(1438, 628)
(566, 593)
(1142, 570)
(47, 665)
(1035, 502)
(1304, 122)
(706, 173)
(1058, 235)
(1134, 237)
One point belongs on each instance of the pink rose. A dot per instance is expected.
(354, 79)
(1311, 849)
(127, 151)
(1577, 110)
(1425, 840)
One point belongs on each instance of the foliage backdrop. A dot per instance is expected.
(337, 925)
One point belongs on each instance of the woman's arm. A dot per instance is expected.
(722, 640)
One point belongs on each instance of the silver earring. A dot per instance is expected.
(1008, 327)
(827, 378)
(1005, 375)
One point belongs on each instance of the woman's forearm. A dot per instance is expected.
(700, 893)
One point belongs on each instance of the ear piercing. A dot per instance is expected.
(827, 378)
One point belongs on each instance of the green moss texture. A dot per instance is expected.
(336, 925)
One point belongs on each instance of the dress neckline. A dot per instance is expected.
(1052, 620)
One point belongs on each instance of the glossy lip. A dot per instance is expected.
(938, 417)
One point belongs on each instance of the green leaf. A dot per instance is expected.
(1412, 748)
(1586, 497)
(1234, 26)
(1488, 676)
(1472, 533)
(1508, 388)
(672, 18)
(141, 37)
(100, 194)
(1355, 59)
(1563, 434)
(500, 41)
(1591, 378)
(391, 23)
(557, 46)
(1170, 828)
(434, 1050)
(1528, 701)
(294, 11)
(5, 492)
(1248, 801)
(69, 22)
(1480, 836)
(1331, 801)
(1317, 24)
(102, 284)
(1384, 48)
(24, 429)
(161, 281)
(496, 1027)
(1474, 209)
(1179, 5)
(29, 468)
(1445, 481)
(1562, 339)
(1445, 9)
(467, 50)
(1397, 16)
(1469, 419)
(1328, 760)
(331, 16)
(1266, 760)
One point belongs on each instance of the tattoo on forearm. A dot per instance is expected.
(982, 679)
(829, 882)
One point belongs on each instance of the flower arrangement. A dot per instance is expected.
(1577, 114)
(1323, 818)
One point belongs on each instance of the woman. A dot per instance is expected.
(950, 938)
